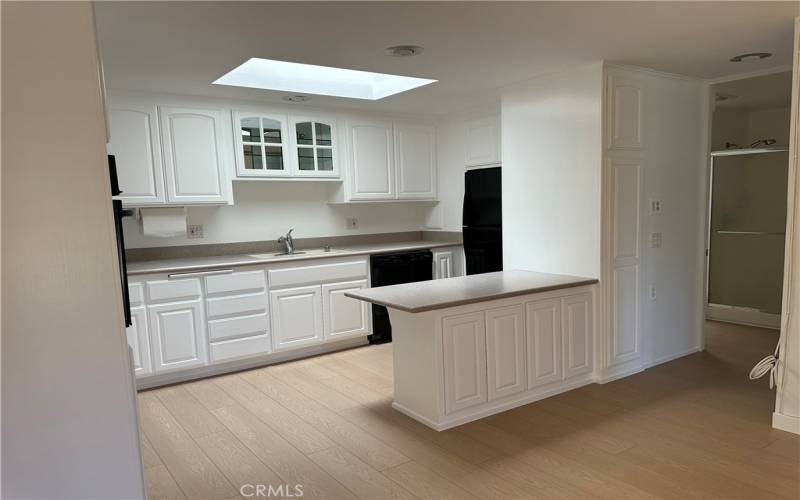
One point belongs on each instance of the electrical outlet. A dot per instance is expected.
(652, 292)
(655, 240)
(352, 223)
(195, 231)
(655, 207)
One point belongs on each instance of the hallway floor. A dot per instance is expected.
(692, 428)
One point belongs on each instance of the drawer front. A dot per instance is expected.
(179, 289)
(318, 273)
(240, 326)
(136, 294)
(236, 282)
(238, 304)
(240, 348)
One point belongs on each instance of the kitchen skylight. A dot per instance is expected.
(321, 80)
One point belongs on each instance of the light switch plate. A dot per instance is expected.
(655, 240)
(655, 206)
(352, 223)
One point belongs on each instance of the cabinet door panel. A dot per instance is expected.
(178, 334)
(505, 351)
(193, 155)
(578, 333)
(137, 149)
(443, 265)
(464, 339)
(343, 316)
(296, 317)
(139, 341)
(371, 150)
(625, 96)
(415, 161)
(543, 327)
(483, 141)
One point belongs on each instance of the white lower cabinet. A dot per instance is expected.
(578, 334)
(505, 351)
(296, 317)
(343, 316)
(543, 324)
(139, 341)
(178, 333)
(464, 341)
(447, 262)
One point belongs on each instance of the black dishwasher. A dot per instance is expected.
(394, 269)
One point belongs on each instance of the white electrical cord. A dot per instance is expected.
(767, 365)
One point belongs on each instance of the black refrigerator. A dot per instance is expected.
(483, 220)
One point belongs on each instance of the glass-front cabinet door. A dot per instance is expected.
(314, 147)
(261, 145)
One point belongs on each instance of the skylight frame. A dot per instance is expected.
(283, 76)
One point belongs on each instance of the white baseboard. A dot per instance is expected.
(788, 423)
(665, 359)
(743, 316)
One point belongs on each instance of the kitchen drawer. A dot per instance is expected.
(236, 282)
(240, 326)
(239, 348)
(136, 294)
(317, 273)
(178, 289)
(239, 304)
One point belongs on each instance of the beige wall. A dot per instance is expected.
(68, 407)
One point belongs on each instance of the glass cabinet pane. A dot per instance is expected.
(274, 157)
(250, 130)
(305, 158)
(324, 159)
(304, 133)
(272, 131)
(323, 134)
(253, 159)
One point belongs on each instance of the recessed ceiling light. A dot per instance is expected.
(323, 80)
(296, 98)
(404, 50)
(753, 56)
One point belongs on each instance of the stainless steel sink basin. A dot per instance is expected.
(299, 253)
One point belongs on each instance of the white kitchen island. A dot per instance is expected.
(468, 347)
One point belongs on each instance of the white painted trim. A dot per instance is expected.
(653, 72)
(485, 411)
(246, 364)
(671, 357)
(742, 316)
(750, 74)
(788, 423)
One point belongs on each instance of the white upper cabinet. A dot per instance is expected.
(371, 159)
(262, 144)
(193, 155)
(482, 141)
(314, 148)
(137, 149)
(624, 113)
(415, 160)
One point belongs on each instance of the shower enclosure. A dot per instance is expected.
(747, 223)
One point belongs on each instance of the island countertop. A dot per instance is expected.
(450, 292)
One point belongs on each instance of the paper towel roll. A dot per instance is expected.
(163, 222)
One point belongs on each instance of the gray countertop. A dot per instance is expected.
(439, 294)
(204, 263)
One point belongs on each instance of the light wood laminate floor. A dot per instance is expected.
(692, 428)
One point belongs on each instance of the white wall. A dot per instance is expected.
(265, 210)
(674, 169)
(68, 403)
(551, 148)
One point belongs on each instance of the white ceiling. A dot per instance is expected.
(473, 48)
(761, 92)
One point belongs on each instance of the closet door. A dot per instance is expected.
(193, 155)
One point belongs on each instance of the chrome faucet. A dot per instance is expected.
(287, 242)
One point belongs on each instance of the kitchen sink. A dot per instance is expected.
(298, 253)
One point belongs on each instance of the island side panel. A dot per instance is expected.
(417, 349)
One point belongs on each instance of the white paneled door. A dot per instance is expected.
(544, 346)
(578, 332)
(178, 333)
(344, 317)
(139, 341)
(505, 351)
(371, 150)
(464, 339)
(194, 164)
(415, 161)
(296, 317)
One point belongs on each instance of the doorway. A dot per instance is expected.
(747, 200)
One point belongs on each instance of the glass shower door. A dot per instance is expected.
(747, 229)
